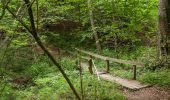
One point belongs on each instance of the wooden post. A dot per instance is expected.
(107, 66)
(90, 65)
(134, 72)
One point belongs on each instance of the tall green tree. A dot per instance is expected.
(164, 28)
(98, 45)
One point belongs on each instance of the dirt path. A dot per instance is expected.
(151, 93)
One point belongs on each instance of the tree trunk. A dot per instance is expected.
(116, 35)
(33, 32)
(164, 28)
(98, 45)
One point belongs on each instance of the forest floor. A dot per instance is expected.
(150, 93)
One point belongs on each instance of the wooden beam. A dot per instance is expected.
(90, 65)
(134, 72)
(86, 58)
(107, 66)
(112, 59)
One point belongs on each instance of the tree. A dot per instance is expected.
(34, 33)
(164, 28)
(98, 45)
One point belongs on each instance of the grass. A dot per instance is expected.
(50, 84)
(159, 78)
(145, 74)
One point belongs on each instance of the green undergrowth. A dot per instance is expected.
(47, 83)
(158, 77)
(152, 73)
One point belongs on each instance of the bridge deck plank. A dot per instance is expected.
(130, 84)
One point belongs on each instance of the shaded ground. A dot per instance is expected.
(151, 93)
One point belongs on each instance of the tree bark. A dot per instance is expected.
(98, 45)
(158, 46)
(164, 28)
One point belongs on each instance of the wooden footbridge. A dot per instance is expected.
(105, 75)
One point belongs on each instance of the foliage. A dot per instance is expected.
(159, 78)
(152, 73)
(126, 28)
(17, 59)
(49, 82)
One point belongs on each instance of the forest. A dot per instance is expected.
(84, 50)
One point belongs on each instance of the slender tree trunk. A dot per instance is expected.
(37, 7)
(164, 28)
(98, 45)
(116, 35)
(37, 39)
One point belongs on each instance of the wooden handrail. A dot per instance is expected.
(86, 58)
(111, 59)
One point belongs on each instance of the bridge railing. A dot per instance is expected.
(91, 55)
